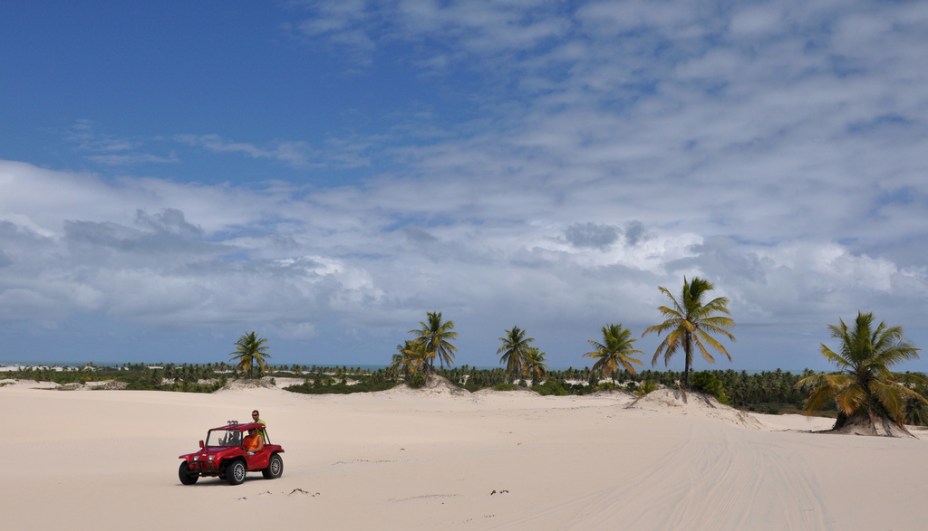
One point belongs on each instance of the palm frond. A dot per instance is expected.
(850, 399)
(712, 342)
(891, 398)
(702, 349)
(818, 397)
(834, 357)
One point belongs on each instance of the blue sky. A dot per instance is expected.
(173, 176)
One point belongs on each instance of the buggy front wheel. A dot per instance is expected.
(187, 477)
(235, 472)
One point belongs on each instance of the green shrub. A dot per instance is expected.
(550, 387)
(710, 384)
(416, 381)
(645, 387)
(341, 388)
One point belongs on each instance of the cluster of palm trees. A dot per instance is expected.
(521, 359)
(690, 323)
(864, 389)
(416, 357)
(431, 341)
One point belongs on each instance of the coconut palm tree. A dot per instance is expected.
(410, 359)
(250, 350)
(513, 350)
(867, 394)
(617, 348)
(436, 338)
(690, 322)
(534, 365)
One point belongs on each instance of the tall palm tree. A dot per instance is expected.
(534, 365)
(865, 391)
(513, 350)
(436, 338)
(250, 350)
(617, 348)
(691, 322)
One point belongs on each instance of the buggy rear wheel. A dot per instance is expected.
(275, 467)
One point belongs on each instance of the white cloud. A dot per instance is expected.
(298, 154)
(775, 149)
(273, 263)
(112, 151)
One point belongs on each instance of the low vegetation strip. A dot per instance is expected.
(772, 392)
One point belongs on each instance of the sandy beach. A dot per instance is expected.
(436, 459)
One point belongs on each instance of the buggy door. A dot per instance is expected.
(260, 460)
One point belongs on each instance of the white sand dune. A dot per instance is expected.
(440, 459)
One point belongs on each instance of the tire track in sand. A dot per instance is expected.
(722, 477)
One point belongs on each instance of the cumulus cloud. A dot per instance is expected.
(275, 264)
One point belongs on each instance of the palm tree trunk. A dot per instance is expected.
(841, 421)
(688, 351)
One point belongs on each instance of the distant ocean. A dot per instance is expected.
(59, 363)
(283, 367)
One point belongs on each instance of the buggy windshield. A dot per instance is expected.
(224, 438)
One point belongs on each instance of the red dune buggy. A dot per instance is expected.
(224, 455)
